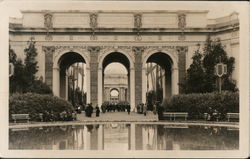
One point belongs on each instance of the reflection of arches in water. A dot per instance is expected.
(149, 137)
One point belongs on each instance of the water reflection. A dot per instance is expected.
(124, 136)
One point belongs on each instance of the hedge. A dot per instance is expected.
(52, 107)
(198, 104)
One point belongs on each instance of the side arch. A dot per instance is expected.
(60, 52)
(173, 55)
(56, 69)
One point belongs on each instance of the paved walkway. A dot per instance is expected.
(118, 116)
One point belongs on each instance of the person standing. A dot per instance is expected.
(159, 111)
(97, 112)
(90, 110)
(145, 109)
(128, 108)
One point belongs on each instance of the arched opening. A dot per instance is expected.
(114, 95)
(116, 74)
(158, 78)
(72, 79)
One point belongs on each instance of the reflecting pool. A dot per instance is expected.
(125, 136)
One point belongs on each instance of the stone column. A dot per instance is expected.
(164, 85)
(144, 85)
(94, 50)
(174, 81)
(132, 88)
(138, 73)
(56, 81)
(132, 136)
(88, 85)
(100, 87)
(182, 51)
(49, 50)
(87, 138)
(100, 138)
(66, 87)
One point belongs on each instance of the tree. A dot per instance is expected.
(201, 76)
(195, 75)
(213, 54)
(30, 62)
(17, 81)
(24, 79)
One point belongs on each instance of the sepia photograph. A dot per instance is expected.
(147, 79)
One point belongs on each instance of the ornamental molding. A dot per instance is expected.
(48, 49)
(93, 20)
(126, 50)
(93, 24)
(62, 49)
(138, 49)
(94, 49)
(182, 20)
(138, 25)
(137, 20)
(48, 24)
(182, 49)
(48, 21)
(169, 50)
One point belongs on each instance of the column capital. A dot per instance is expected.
(174, 69)
(94, 49)
(48, 49)
(182, 49)
(56, 68)
(132, 69)
(138, 49)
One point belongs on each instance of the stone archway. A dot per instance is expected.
(131, 74)
(172, 60)
(112, 91)
(61, 61)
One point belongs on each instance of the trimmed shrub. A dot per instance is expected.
(198, 104)
(52, 107)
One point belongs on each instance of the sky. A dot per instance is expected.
(217, 9)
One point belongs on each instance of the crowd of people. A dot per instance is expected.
(118, 107)
(143, 108)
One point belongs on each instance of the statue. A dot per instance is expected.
(181, 20)
(138, 21)
(48, 24)
(93, 20)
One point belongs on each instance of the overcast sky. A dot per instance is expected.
(217, 9)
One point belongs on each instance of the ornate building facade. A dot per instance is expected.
(117, 82)
(132, 38)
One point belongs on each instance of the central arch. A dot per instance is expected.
(125, 60)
